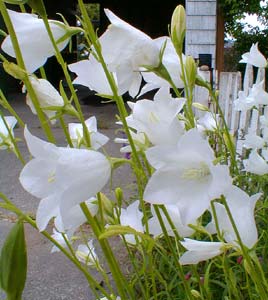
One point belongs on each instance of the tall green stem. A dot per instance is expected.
(121, 283)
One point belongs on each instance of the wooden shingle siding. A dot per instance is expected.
(201, 28)
(208, 22)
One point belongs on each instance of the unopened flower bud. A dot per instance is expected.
(191, 71)
(196, 294)
(107, 205)
(14, 70)
(119, 195)
(178, 28)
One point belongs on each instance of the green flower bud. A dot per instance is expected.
(178, 28)
(191, 71)
(196, 294)
(14, 70)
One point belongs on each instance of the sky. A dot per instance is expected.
(252, 19)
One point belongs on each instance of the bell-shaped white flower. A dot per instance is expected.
(170, 61)
(47, 96)
(199, 251)
(125, 50)
(5, 141)
(132, 216)
(253, 141)
(97, 139)
(58, 237)
(244, 102)
(91, 74)
(33, 39)
(157, 119)
(61, 177)
(242, 207)
(139, 140)
(255, 163)
(186, 176)
(258, 93)
(254, 57)
(86, 254)
(207, 121)
(74, 217)
(175, 215)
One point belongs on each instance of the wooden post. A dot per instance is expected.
(220, 42)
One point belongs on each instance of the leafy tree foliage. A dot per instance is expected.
(233, 11)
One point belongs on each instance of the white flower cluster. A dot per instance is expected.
(185, 178)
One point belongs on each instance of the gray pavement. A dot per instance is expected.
(52, 276)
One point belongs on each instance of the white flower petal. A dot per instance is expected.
(33, 39)
(47, 208)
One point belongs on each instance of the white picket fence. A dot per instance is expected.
(229, 85)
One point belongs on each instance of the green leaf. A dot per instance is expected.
(13, 263)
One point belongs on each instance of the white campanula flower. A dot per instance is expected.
(258, 93)
(5, 141)
(86, 254)
(58, 236)
(175, 215)
(132, 216)
(255, 163)
(90, 73)
(244, 102)
(139, 140)
(125, 50)
(254, 57)
(170, 61)
(208, 121)
(256, 96)
(253, 141)
(97, 139)
(47, 97)
(61, 177)
(68, 221)
(186, 176)
(198, 251)
(242, 208)
(157, 118)
(33, 39)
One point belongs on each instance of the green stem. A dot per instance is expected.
(118, 99)
(230, 145)
(121, 283)
(254, 275)
(189, 95)
(175, 255)
(67, 77)
(66, 133)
